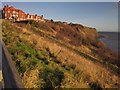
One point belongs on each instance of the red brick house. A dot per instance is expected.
(12, 13)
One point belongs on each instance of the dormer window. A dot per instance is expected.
(28, 16)
(31, 16)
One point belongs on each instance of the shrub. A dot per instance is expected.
(98, 44)
(63, 65)
(76, 71)
(52, 77)
(72, 66)
(51, 20)
(67, 68)
(56, 61)
(95, 86)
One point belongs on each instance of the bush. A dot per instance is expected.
(51, 20)
(67, 68)
(56, 60)
(72, 66)
(95, 86)
(98, 44)
(52, 77)
(34, 23)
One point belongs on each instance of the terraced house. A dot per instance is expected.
(12, 13)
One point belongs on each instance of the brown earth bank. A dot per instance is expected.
(77, 35)
(60, 55)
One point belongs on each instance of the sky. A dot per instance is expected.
(101, 15)
(59, 0)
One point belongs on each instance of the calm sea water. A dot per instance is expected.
(111, 40)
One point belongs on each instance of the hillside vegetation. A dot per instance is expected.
(60, 55)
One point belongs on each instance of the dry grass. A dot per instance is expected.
(96, 72)
(1, 77)
(78, 71)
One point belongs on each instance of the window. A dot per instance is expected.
(8, 11)
(5, 14)
(28, 16)
(13, 11)
(16, 12)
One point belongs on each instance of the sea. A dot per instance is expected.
(111, 40)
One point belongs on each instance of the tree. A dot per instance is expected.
(51, 20)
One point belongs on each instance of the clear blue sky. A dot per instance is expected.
(59, 0)
(103, 16)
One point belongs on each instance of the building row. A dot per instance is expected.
(12, 13)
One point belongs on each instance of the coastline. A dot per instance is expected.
(111, 41)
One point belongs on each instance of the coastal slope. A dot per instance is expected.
(60, 55)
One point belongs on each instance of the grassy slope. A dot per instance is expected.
(44, 60)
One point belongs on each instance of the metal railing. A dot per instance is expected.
(10, 74)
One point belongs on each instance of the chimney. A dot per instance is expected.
(4, 6)
(7, 6)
